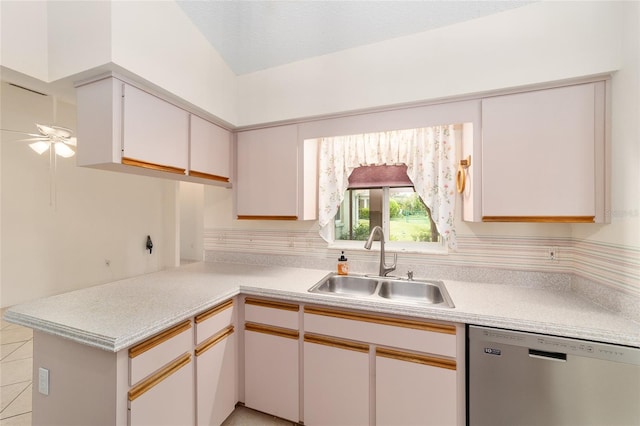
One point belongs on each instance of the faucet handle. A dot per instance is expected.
(410, 275)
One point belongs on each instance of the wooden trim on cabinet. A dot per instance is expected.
(256, 217)
(158, 377)
(269, 329)
(433, 361)
(209, 176)
(272, 304)
(212, 341)
(156, 340)
(395, 322)
(540, 219)
(213, 311)
(152, 166)
(336, 343)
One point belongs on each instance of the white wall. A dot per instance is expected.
(541, 42)
(98, 216)
(154, 41)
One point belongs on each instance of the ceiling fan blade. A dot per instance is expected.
(20, 132)
(60, 132)
(40, 138)
(73, 141)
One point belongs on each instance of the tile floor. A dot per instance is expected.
(16, 373)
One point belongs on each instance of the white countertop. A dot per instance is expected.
(117, 315)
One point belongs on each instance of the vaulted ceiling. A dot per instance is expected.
(256, 35)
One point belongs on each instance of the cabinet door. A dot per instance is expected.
(267, 173)
(336, 382)
(414, 389)
(166, 398)
(542, 153)
(216, 378)
(271, 370)
(155, 132)
(209, 150)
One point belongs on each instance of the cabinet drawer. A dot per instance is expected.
(414, 335)
(154, 353)
(270, 312)
(213, 320)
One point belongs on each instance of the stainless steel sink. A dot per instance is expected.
(432, 293)
(345, 284)
(428, 292)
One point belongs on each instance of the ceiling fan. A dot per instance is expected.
(59, 139)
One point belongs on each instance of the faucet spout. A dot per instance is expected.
(384, 268)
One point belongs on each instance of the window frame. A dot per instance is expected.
(421, 247)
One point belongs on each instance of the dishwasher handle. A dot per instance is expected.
(550, 356)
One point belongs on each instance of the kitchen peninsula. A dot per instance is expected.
(92, 330)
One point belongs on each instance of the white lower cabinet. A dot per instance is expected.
(369, 369)
(155, 401)
(414, 389)
(271, 358)
(336, 382)
(216, 364)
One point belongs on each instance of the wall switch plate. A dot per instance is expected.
(43, 381)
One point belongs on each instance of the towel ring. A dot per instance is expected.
(461, 175)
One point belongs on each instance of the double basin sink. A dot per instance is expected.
(432, 293)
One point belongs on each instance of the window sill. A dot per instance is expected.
(393, 247)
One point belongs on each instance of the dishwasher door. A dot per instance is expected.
(518, 379)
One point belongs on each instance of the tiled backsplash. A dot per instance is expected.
(605, 273)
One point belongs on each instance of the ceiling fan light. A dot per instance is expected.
(63, 150)
(39, 147)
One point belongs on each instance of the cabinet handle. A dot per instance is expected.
(269, 329)
(395, 322)
(336, 343)
(152, 166)
(212, 341)
(209, 176)
(256, 217)
(158, 339)
(213, 311)
(540, 219)
(158, 377)
(272, 304)
(417, 358)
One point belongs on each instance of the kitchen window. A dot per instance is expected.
(384, 196)
(403, 181)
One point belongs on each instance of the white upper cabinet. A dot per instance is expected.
(126, 128)
(543, 155)
(210, 150)
(276, 175)
(155, 132)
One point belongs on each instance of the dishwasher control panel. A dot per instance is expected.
(564, 345)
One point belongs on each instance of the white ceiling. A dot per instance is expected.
(260, 34)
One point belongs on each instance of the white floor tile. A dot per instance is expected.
(17, 371)
(21, 405)
(19, 420)
(10, 392)
(14, 334)
(22, 352)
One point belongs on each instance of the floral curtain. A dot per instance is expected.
(429, 154)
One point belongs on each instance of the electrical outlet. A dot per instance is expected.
(43, 381)
(552, 254)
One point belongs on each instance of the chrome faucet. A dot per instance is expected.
(384, 269)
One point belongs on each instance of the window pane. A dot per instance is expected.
(359, 212)
(409, 218)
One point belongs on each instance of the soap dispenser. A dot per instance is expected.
(343, 266)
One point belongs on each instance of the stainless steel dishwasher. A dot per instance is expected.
(518, 379)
